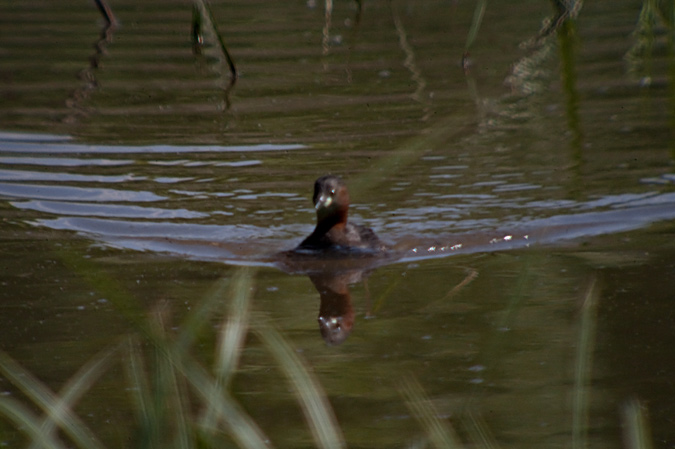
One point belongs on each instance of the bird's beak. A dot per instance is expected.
(323, 201)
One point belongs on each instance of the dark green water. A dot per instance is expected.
(531, 200)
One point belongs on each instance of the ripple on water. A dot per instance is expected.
(70, 148)
(64, 161)
(105, 210)
(68, 193)
(25, 175)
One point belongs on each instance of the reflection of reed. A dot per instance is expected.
(568, 44)
(325, 42)
(354, 38)
(565, 10)
(204, 22)
(411, 64)
(648, 37)
(326, 39)
(106, 12)
(530, 75)
(653, 39)
(87, 75)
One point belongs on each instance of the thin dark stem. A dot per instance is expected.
(106, 12)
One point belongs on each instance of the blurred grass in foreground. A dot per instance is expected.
(178, 402)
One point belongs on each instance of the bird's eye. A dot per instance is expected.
(332, 191)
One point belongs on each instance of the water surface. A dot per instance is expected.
(529, 201)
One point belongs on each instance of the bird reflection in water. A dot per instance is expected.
(331, 275)
(336, 314)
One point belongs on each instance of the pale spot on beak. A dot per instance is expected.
(324, 201)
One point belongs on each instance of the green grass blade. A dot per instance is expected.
(312, 398)
(583, 366)
(208, 307)
(79, 384)
(170, 395)
(28, 422)
(242, 428)
(440, 433)
(48, 402)
(232, 335)
(479, 432)
(211, 22)
(637, 434)
(140, 388)
(233, 332)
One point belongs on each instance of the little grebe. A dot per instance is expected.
(333, 232)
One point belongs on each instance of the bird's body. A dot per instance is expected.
(333, 231)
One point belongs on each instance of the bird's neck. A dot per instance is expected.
(337, 220)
